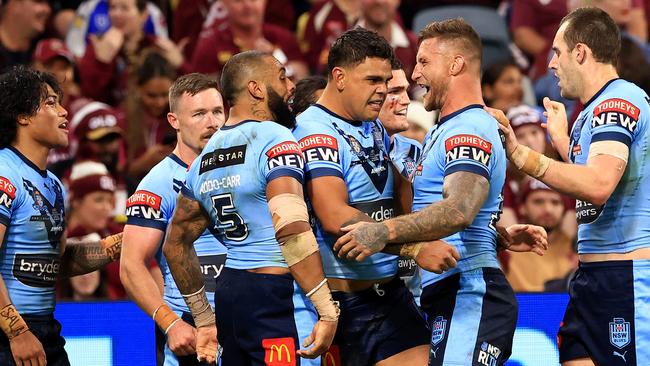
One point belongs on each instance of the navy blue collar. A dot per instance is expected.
(29, 163)
(350, 121)
(238, 124)
(178, 160)
(599, 92)
(454, 114)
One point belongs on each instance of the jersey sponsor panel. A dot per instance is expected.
(144, 204)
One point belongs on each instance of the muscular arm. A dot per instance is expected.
(403, 193)
(593, 182)
(329, 198)
(139, 245)
(4, 293)
(82, 257)
(308, 272)
(463, 195)
(187, 224)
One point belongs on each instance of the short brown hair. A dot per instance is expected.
(594, 28)
(191, 84)
(455, 30)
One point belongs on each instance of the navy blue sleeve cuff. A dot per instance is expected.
(187, 193)
(154, 224)
(5, 220)
(471, 168)
(612, 136)
(285, 172)
(323, 172)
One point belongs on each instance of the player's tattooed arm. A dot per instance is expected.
(463, 195)
(187, 224)
(81, 257)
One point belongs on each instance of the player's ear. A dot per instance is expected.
(23, 121)
(580, 52)
(457, 65)
(338, 75)
(255, 90)
(173, 121)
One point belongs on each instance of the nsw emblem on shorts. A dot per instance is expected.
(619, 333)
(439, 328)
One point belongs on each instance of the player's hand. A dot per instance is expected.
(206, 344)
(504, 126)
(108, 45)
(362, 240)
(27, 350)
(181, 339)
(320, 339)
(437, 257)
(556, 119)
(528, 238)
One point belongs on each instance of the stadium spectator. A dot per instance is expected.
(21, 22)
(381, 16)
(544, 207)
(92, 17)
(533, 24)
(51, 55)
(318, 29)
(109, 58)
(629, 15)
(243, 30)
(308, 90)
(633, 65)
(501, 84)
(91, 194)
(149, 136)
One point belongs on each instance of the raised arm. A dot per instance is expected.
(81, 257)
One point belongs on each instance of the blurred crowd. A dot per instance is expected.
(116, 60)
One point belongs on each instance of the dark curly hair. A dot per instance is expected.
(22, 90)
(354, 46)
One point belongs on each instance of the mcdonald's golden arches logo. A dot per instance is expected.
(279, 351)
(332, 357)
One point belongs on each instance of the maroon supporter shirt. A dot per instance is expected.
(216, 45)
(324, 24)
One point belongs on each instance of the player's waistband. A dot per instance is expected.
(622, 264)
(245, 274)
(389, 286)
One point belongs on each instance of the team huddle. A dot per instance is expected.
(309, 215)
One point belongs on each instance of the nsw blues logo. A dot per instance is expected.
(619, 333)
(439, 329)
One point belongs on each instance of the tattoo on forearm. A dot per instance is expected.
(463, 195)
(12, 323)
(84, 257)
(188, 223)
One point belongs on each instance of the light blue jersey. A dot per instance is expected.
(229, 179)
(152, 205)
(618, 112)
(32, 210)
(405, 152)
(466, 140)
(356, 152)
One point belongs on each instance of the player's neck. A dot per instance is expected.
(33, 151)
(241, 112)
(467, 91)
(331, 99)
(595, 79)
(185, 153)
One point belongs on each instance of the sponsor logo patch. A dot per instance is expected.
(144, 204)
(320, 148)
(7, 192)
(287, 154)
(211, 267)
(279, 351)
(463, 147)
(220, 158)
(332, 357)
(587, 212)
(36, 270)
(618, 112)
(488, 355)
(619, 333)
(377, 210)
(438, 332)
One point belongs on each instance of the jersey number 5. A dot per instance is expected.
(230, 223)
